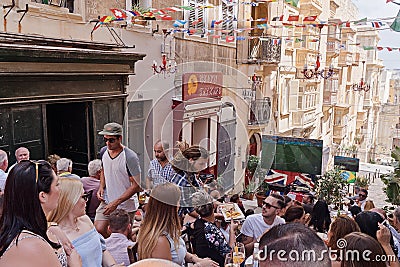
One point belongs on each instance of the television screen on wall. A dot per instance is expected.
(347, 163)
(291, 154)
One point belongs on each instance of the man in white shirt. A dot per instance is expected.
(119, 179)
(3, 168)
(255, 225)
(22, 153)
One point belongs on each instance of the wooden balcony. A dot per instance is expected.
(339, 132)
(362, 117)
(303, 118)
(311, 6)
(356, 59)
(330, 98)
(345, 58)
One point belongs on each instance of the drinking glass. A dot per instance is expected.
(238, 253)
(229, 262)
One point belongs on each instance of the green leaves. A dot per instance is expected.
(331, 187)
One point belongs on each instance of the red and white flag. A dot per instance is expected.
(229, 39)
(118, 14)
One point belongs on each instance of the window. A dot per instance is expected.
(285, 96)
(61, 3)
(229, 18)
(197, 17)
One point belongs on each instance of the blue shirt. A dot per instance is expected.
(158, 174)
(90, 247)
(188, 184)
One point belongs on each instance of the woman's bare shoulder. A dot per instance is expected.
(30, 251)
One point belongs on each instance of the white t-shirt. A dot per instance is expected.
(117, 177)
(254, 225)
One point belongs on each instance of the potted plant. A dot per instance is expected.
(330, 187)
(262, 193)
(249, 190)
(140, 19)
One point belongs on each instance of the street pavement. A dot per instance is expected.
(376, 194)
(375, 189)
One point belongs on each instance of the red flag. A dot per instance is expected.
(380, 48)
(310, 18)
(119, 14)
(387, 1)
(230, 39)
(293, 18)
(389, 49)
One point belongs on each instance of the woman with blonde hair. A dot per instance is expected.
(71, 217)
(31, 192)
(159, 234)
(369, 205)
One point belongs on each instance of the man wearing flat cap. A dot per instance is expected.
(119, 178)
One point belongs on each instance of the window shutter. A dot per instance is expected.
(294, 89)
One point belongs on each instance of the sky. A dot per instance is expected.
(373, 9)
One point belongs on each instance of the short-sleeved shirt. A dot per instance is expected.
(254, 225)
(3, 179)
(116, 174)
(159, 174)
(117, 245)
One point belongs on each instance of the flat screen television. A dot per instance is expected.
(291, 154)
(347, 163)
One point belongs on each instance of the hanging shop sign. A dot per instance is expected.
(202, 85)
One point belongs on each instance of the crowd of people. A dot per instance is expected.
(117, 216)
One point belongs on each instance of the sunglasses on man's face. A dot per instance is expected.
(268, 206)
(110, 140)
(361, 195)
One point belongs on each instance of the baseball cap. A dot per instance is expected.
(112, 128)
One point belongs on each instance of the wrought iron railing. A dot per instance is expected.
(260, 111)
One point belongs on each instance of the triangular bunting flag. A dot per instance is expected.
(293, 18)
(119, 14)
(396, 23)
(179, 23)
(229, 39)
(310, 18)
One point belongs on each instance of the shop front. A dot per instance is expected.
(55, 95)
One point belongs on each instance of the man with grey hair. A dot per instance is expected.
(92, 182)
(160, 170)
(22, 153)
(64, 169)
(3, 168)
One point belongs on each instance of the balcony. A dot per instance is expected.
(339, 132)
(345, 59)
(303, 118)
(260, 111)
(332, 48)
(342, 108)
(311, 7)
(356, 59)
(362, 117)
(330, 98)
(263, 49)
